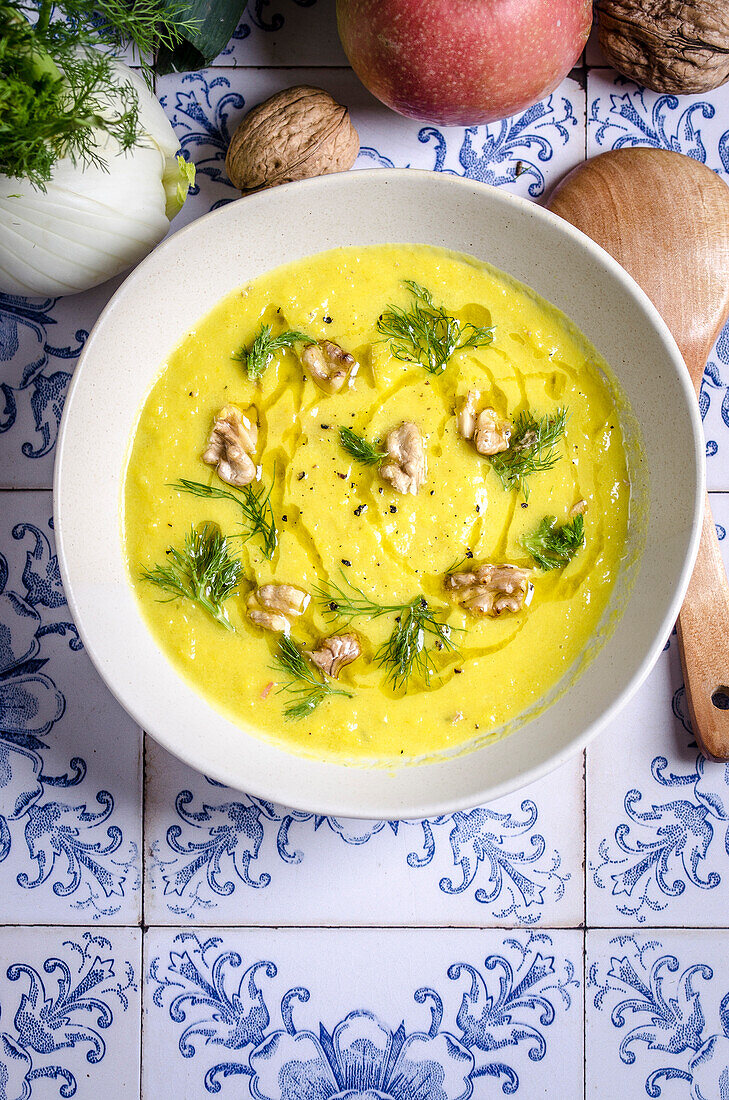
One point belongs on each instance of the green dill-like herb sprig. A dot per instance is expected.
(310, 690)
(406, 652)
(258, 356)
(255, 504)
(531, 449)
(552, 546)
(58, 83)
(426, 333)
(360, 449)
(202, 571)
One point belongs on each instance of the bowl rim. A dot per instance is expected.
(382, 808)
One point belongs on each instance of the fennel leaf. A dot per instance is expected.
(58, 85)
(405, 653)
(202, 571)
(254, 503)
(426, 333)
(257, 358)
(531, 449)
(358, 448)
(551, 545)
(308, 688)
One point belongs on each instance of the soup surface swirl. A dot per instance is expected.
(341, 523)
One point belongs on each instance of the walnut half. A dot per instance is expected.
(674, 46)
(272, 606)
(328, 365)
(232, 442)
(297, 133)
(491, 589)
(405, 467)
(333, 654)
(490, 432)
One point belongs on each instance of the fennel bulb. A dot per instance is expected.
(95, 219)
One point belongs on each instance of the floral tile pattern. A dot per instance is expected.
(448, 961)
(657, 1015)
(69, 1011)
(40, 341)
(527, 153)
(657, 811)
(620, 114)
(371, 1015)
(214, 854)
(70, 762)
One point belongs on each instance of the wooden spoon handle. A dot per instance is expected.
(703, 641)
(665, 218)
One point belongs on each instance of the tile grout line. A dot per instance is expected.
(142, 996)
(584, 1013)
(584, 839)
(143, 853)
(621, 929)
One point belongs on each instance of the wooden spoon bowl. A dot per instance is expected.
(665, 218)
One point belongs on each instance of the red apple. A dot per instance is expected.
(462, 62)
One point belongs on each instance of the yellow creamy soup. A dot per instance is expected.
(460, 386)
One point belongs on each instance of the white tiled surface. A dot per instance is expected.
(657, 812)
(389, 908)
(70, 757)
(657, 1014)
(220, 857)
(71, 1006)
(363, 1014)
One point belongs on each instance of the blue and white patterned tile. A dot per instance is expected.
(69, 1013)
(657, 811)
(526, 154)
(70, 758)
(657, 1008)
(620, 114)
(40, 341)
(371, 1014)
(284, 33)
(214, 855)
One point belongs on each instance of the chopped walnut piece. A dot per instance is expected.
(272, 605)
(578, 509)
(406, 467)
(467, 415)
(232, 442)
(334, 653)
(268, 620)
(490, 432)
(328, 364)
(490, 589)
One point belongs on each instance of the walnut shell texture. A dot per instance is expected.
(677, 46)
(297, 133)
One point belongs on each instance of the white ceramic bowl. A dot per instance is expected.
(179, 282)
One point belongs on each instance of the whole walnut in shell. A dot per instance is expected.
(298, 133)
(678, 46)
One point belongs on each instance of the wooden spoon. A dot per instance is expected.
(665, 219)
